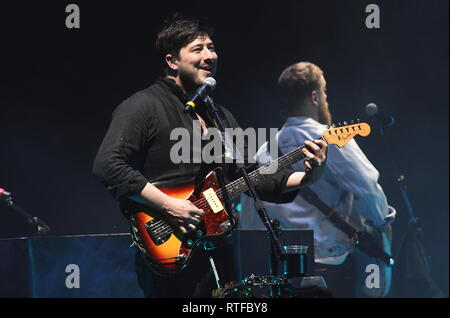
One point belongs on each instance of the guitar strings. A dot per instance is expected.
(202, 203)
(159, 230)
(155, 227)
(156, 224)
(239, 183)
(283, 162)
(162, 227)
(236, 185)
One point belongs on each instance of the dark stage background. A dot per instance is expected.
(59, 87)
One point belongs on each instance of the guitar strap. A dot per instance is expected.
(332, 215)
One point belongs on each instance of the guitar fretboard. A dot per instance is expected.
(263, 173)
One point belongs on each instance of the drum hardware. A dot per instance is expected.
(294, 287)
(244, 289)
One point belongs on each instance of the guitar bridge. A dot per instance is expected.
(159, 233)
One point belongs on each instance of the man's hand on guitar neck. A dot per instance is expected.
(316, 155)
(181, 213)
(315, 152)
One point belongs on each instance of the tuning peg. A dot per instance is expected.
(339, 124)
(333, 125)
(345, 123)
(358, 120)
(352, 122)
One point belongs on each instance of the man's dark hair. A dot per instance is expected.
(179, 32)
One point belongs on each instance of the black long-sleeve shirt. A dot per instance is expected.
(136, 148)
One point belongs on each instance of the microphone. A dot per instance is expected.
(209, 84)
(373, 110)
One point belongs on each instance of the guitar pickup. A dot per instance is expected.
(213, 200)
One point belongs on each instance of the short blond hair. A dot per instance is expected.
(297, 81)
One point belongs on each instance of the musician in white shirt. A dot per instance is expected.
(349, 183)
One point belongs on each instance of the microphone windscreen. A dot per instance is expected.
(211, 82)
(371, 109)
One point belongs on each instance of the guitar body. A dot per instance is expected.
(169, 251)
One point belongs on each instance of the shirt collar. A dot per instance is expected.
(300, 120)
(174, 88)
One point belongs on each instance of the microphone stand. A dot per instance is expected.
(271, 225)
(412, 237)
(40, 226)
(273, 229)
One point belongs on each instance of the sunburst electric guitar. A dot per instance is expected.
(169, 251)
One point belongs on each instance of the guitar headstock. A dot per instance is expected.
(341, 135)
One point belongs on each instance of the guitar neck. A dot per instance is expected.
(263, 173)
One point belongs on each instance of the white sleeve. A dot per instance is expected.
(356, 174)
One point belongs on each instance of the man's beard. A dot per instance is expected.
(325, 117)
(188, 81)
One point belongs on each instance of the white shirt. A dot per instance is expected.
(349, 184)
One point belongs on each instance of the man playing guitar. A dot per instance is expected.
(134, 160)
